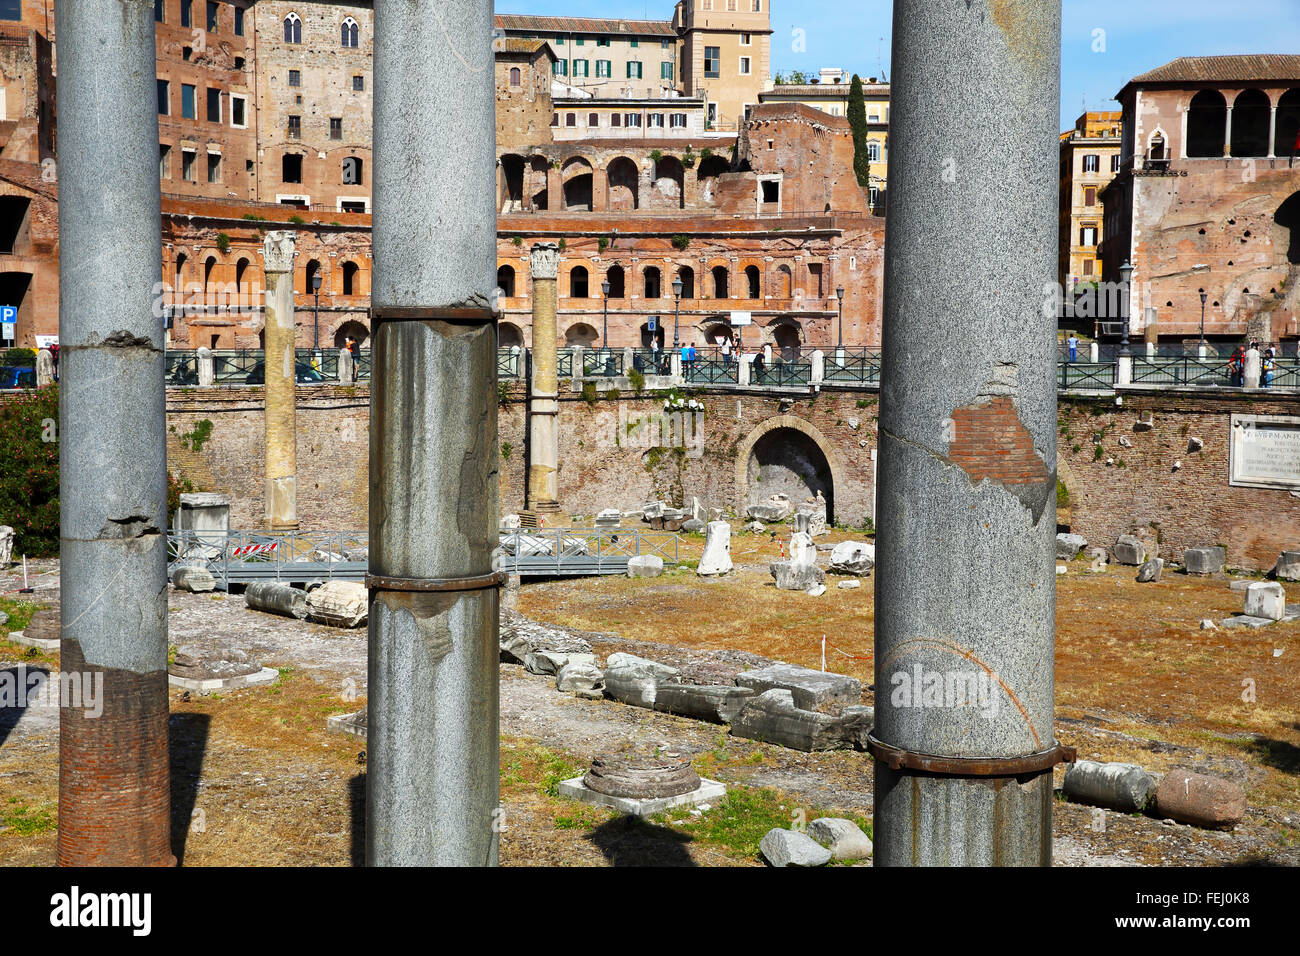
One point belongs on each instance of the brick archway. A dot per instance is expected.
(834, 462)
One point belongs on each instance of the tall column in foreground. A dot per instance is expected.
(965, 593)
(114, 792)
(543, 404)
(432, 778)
(281, 399)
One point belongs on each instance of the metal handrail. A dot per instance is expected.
(598, 363)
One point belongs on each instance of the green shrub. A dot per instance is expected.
(223, 243)
(680, 242)
(29, 471)
(589, 394)
(18, 357)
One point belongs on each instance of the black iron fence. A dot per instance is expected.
(711, 367)
(602, 363)
(853, 366)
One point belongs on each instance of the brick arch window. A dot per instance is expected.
(293, 28)
(515, 76)
(350, 274)
(578, 283)
(351, 33)
(308, 274)
(209, 266)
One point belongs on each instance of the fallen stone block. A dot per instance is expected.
(856, 724)
(44, 630)
(792, 848)
(811, 689)
(1069, 545)
(339, 603)
(1240, 584)
(790, 576)
(694, 526)
(196, 580)
(1204, 560)
(276, 598)
(579, 676)
(1117, 786)
(1288, 566)
(776, 508)
(852, 557)
(645, 566)
(1265, 599)
(843, 838)
(635, 680)
(756, 527)
(849, 585)
(716, 704)
(545, 662)
(1246, 620)
(1151, 571)
(1208, 625)
(1129, 550)
(1200, 800)
(817, 590)
(773, 718)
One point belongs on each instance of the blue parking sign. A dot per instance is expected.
(8, 322)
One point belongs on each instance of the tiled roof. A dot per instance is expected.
(652, 28)
(519, 45)
(830, 90)
(1252, 68)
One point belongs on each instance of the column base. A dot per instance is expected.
(532, 517)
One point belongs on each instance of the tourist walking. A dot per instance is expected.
(1072, 343)
(726, 351)
(1237, 367)
(1267, 367)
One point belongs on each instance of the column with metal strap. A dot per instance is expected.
(965, 593)
(543, 400)
(432, 776)
(279, 364)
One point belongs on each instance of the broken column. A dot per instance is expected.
(278, 253)
(432, 775)
(966, 593)
(543, 403)
(114, 783)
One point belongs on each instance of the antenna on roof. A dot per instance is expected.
(880, 60)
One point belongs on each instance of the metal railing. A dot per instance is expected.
(565, 551)
(1179, 370)
(181, 368)
(564, 365)
(296, 557)
(712, 368)
(782, 374)
(511, 362)
(1099, 375)
(853, 366)
(651, 362)
(602, 363)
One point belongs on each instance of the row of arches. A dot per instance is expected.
(717, 283)
(1255, 127)
(242, 277)
(624, 188)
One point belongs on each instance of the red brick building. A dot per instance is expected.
(1207, 199)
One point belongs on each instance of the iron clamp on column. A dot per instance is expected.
(897, 758)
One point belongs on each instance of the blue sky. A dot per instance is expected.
(1139, 35)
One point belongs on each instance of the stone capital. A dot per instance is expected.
(545, 260)
(278, 251)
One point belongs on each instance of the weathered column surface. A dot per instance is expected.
(279, 250)
(543, 404)
(432, 776)
(114, 794)
(965, 595)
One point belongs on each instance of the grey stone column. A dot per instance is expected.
(965, 594)
(432, 777)
(114, 794)
(281, 383)
(543, 402)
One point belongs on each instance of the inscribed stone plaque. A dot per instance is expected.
(1265, 452)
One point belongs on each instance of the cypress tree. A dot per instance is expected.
(857, 116)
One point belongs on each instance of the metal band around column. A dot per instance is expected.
(465, 315)
(478, 582)
(897, 758)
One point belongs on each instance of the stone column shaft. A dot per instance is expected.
(432, 776)
(280, 392)
(543, 405)
(965, 591)
(114, 777)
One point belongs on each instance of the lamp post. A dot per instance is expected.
(604, 329)
(1204, 296)
(839, 293)
(1126, 276)
(677, 306)
(315, 288)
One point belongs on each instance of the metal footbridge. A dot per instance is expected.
(297, 557)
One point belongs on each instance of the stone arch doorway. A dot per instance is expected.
(1288, 217)
(351, 330)
(787, 455)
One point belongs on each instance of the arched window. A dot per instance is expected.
(350, 274)
(178, 288)
(687, 276)
(353, 171)
(241, 289)
(209, 266)
(1288, 124)
(308, 274)
(506, 281)
(1252, 113)
(784, 282)
(351, 33)
(293, 28)
(720, 282)
(614, 276)
(751, 275)
(653, 284)
(509, 335)
(1207, 123)
(515, 76)
(578, 283)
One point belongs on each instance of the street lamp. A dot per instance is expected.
(839, 292)
(677, 306)
(604, 331)
(1204, 296)
(315, 288)
(1126, 277)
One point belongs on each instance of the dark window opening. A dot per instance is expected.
(578, 283)
(13, 219)
(1207, 121)
(353, 169)
(291, 168)
(506, 281)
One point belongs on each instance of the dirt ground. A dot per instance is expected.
(257, 779)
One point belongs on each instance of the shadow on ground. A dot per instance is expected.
(630, 841)
(187, 741)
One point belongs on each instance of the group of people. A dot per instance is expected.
(1242, 357)
(727, 348)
